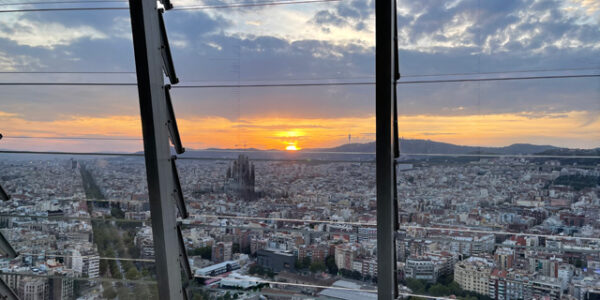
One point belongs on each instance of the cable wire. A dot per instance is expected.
(502, 155)
(183, 8)
(184, 86)
(69, 218)
(102, 279)
(295, 284)
(73, 138)
(500, 245)
(71, 153)
(62, 9)
(287, 220)
(256, 4)
(326, 78)
(369, 291)
(547, 236)
(66, 72)
(66, 83)
(505, 72)
(61, 2)
(88, 257)
(299, 160)
(315, 286)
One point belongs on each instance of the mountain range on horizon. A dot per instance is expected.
(362, 151)
(424, 146)
(407, 146)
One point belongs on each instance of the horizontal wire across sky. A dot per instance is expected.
(181, 8)
(184, 85)
(140, 154)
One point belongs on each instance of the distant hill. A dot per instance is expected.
(428, 146)
(366, 151)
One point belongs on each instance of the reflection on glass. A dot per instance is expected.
(498, 194)
(71, 238)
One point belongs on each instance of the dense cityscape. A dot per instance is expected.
(306, 229)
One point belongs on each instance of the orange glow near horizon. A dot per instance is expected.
(569, 129)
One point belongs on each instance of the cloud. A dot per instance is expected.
(47, 35)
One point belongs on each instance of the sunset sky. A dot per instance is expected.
(319, 42)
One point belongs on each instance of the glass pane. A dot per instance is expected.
(494, 186)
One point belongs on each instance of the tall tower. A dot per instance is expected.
(241, 178)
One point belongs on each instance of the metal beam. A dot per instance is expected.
(6, 293)
(148, 49)
(3, 195)
(384, 108)
(6, 250)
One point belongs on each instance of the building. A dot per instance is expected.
(422, 268)
(221, 251)
(239, 281)
(548, 287)
(444, 261)
(74, 261)
(276, 261)
(367, 233)
(346, 290)
(218, 269)
(509, 284)
(241, 178)
(257, 244)
(504, 257)
(315, 252)
(344, 255)
(366, 266)
(33, 288)
(91, 267)
(61, 288)
(144, 241)
(473, 274)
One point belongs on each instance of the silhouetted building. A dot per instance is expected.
(240, 178)
(276, 261)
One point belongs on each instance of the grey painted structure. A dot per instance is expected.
(277, 261)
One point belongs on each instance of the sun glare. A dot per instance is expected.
(291, 148)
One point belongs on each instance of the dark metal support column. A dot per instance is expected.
(148, 48)
(384, 109)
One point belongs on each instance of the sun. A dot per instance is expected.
(291, 148)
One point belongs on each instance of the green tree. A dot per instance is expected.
(415, 285)
(235, 248)
(317, 266)
(455, 288)
(123, 292)
(103, 267)
(205, 252)
(438, 290)
(330, 264)
(117, 213)
(109, 293)
(306, 262)
(132, 274)
(141, 292)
